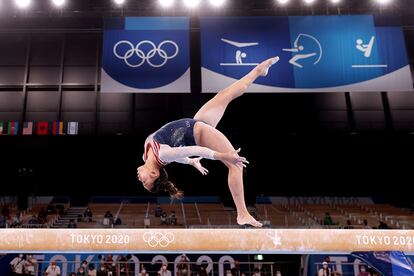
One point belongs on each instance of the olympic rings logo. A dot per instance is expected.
(145, 57)
(158, 238)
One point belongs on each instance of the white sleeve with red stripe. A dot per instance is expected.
(185, 160)
(150, 144)
(168, 154)
(147, 143)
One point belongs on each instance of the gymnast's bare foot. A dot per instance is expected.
(263, 68)
(248, 219)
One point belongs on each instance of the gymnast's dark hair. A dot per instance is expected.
(163, 184)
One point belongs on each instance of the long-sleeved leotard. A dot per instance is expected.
(174, 142)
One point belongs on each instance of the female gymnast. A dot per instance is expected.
(179, 140)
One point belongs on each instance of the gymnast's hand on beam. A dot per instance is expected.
(232, 157)
(195, 162)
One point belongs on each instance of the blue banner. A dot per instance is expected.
(388, 263)
(361, 264)
(317, 53)
(146, 54)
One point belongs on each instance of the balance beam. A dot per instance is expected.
(276, 241)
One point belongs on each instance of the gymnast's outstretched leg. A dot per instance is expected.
(210, 137)
(212, 111)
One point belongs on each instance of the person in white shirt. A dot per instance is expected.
(325, 270)
(164, 271)
(17, 265)
(29, 266)
(198, 137)
(91, 270)
(52, 270)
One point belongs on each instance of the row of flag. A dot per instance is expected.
(39, 128)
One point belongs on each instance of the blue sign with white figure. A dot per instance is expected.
(317, 53)
(146, 54)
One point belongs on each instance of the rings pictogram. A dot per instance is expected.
(145, 57)
(157, 238)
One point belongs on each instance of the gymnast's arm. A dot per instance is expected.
(181, 154)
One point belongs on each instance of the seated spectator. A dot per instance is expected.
(91, 270)
(164, 218)
(72, 224)
(108, 218)
(328, 219)
(122, 266)
(203, 271)
(147, 222)
(348, 225)
(383, 225)
(29, 265)
(363, 271)
(183, 267)
(325, 270)
(83, 270)
(365, 224)
(109, 263)
(118, 221)
(42, 216)
(102, 271)
(16, 221)
(17, 265)
(328, 269)
(52, 270)
(158, 210)
(172, 218)
(87, 215)
(164, 270)
(235, 270)
(32, 220)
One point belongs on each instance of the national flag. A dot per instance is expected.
(27, 128)
(13, 128)
(16, 128)
(73, 128)
(61, 128)
(42, 128)
(57, 128)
